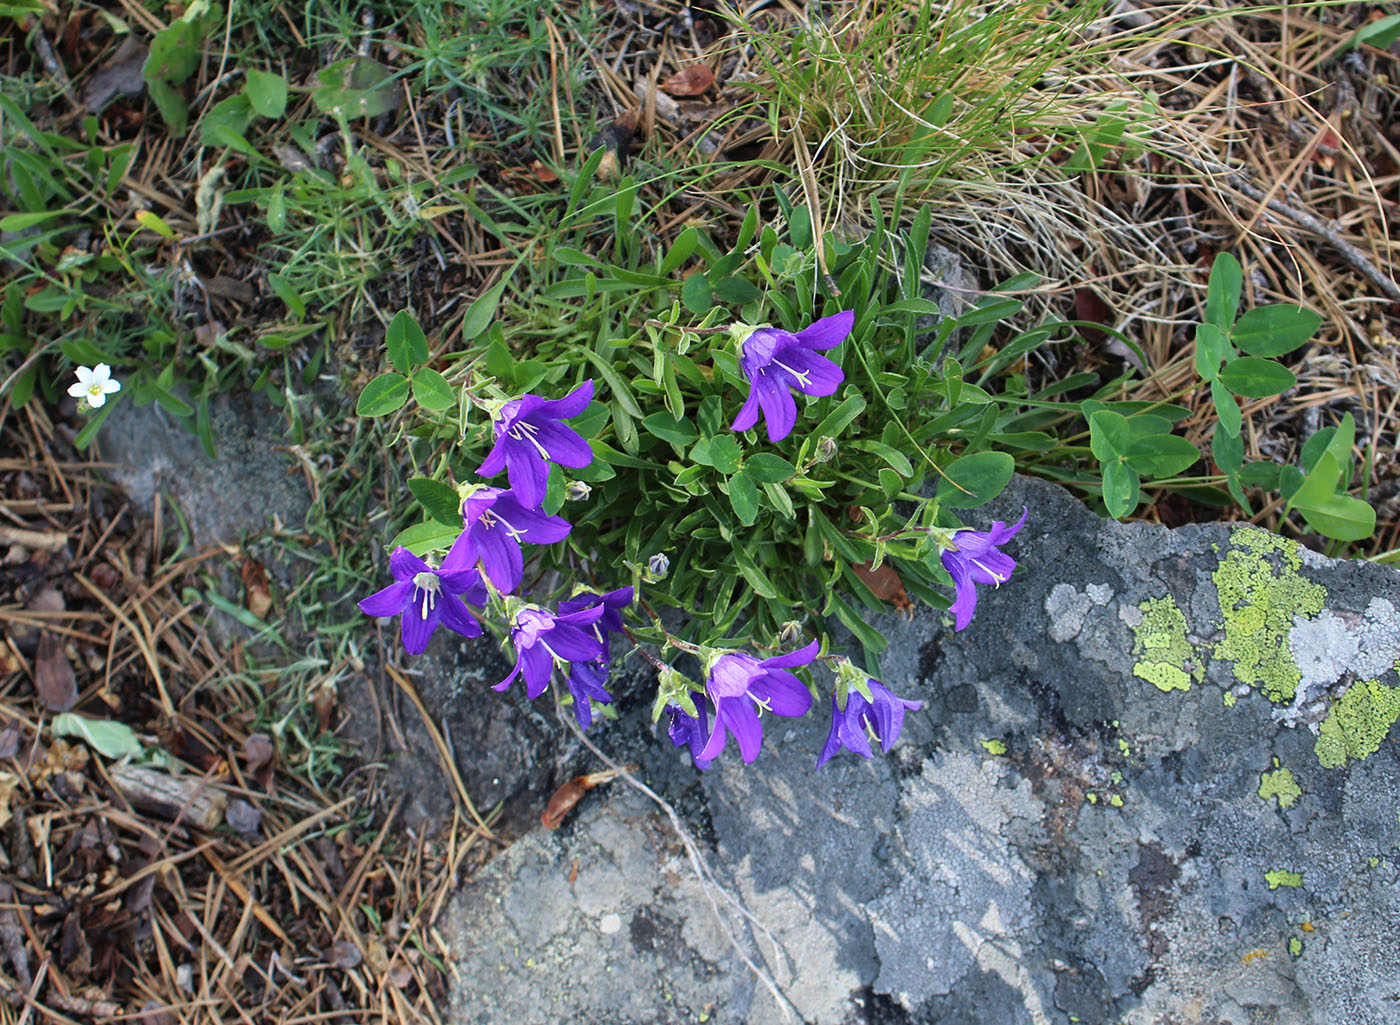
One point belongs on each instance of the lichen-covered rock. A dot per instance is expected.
(1157, 780)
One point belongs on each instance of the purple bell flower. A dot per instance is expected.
(776, 362)
(586, 679)
(585, 682)
(496, 523)
(740, 685)
(542, 638)
(977, 561)
(883, 716)
(610, 622)
(427, 597)
(690, 731)
(529, 437)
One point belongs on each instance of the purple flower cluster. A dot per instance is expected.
(739, 688)
(488, 554)
(487, 561)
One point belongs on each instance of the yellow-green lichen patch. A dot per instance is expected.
(1357, 723)
(1165, 658)
(1280, 785)
(1277, 877)
(1260, 591)
(994, 747)
(1295, 946)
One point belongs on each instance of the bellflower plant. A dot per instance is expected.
(739, 685)
(542, 639)
(496, 522)
(881, 716)
(585, 682)
(666, 526)
(692, 731)
(586, 679)
(529, 436)
(975, 559)
(425, 597)
(778, 362)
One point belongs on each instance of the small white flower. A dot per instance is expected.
(94, 384)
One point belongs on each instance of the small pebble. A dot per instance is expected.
(609, 924)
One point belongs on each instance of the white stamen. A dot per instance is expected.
(430, 584)
(523, 431)
(998, 580)
(803, 376)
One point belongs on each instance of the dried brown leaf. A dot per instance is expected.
(53, 675)
(884, 583)
(242, 816)
(259, 599)
(291, 158)
(1092, 309)
(9, 741)
(119, 76)
(691, 81)
(257, 751)
(8, 783)
(344, 954)
(569, 795)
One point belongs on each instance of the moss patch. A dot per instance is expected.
(1260, 591)
(1166, 659)
(1357, 723)
(1281, 785)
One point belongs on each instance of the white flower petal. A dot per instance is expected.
(96, 400)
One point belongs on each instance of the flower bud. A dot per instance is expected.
(826, 449)
(659, 565)
(577, 491)
(790, 634)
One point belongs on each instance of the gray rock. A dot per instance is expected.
(249, 488)
(1155, 781)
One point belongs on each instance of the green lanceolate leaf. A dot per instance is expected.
(383, 395)
(1161, 455)
(1228, 452)
(266, 92)
(438, 499)
(1341, 517)
(975, 479)
(422, 538)
(743, 497)
(1274, 330)
(431, 390)
(1227, 410)
(769, 469)
(841, 417)
(1257, 378)
(1211, 344)
(480, 314)
(1109, 435)
(1120, 488)
(1319, 485)
(406, 342)
(668, 428)
(1223, 292)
